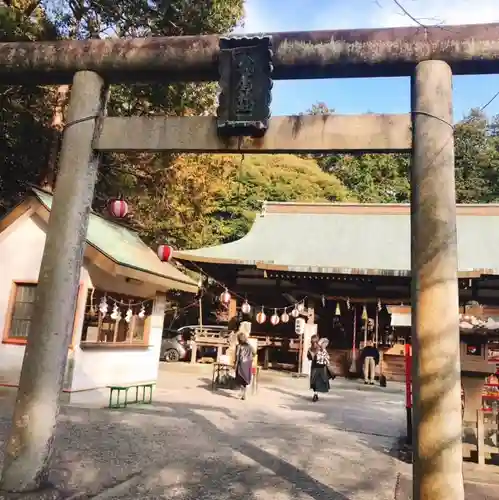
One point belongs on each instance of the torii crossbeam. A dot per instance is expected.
(430, 56)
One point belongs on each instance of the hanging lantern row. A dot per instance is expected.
(275, 319)
(116, 313)
(118, 208)
(246, 308)
(165, 253)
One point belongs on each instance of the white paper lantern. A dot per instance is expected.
(261, 317)
(301, 307)
(295, 313)
(246, 308)
(274, 319)
(284, 317)
(225, 297)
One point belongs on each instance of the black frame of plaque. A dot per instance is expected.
(245, 68)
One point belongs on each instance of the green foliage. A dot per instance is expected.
(372, 178)
(477, 166)
(25, 111)
(26, 136)
(275, 178)
(198, 200)
(377, 178)
(320, 108)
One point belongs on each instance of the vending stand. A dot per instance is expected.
(479, 350)
(480, 387)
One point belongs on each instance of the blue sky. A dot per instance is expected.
(379, 95)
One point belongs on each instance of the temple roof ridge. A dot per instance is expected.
(350, 238)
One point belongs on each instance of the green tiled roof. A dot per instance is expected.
(346, 238)
(123, 246)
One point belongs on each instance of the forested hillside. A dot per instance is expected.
(195, 200)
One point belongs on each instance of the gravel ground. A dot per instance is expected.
(195, 444)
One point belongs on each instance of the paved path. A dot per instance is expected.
(195, 444)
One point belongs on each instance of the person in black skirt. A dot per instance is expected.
(319, 374)
(244, 363)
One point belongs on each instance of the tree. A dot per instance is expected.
(277, 177)
(320, 108)
(28, 140)
(25, 111)
(372, 178)
(206, 199)
(476, 160)
(384, 178)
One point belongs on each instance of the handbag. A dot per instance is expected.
(330, 372)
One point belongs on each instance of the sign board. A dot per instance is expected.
(493, 353)
(300, 326)
(245, 68)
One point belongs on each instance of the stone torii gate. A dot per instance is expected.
(429, 56)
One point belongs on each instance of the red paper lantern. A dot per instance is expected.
(118, 208)
(165, 253)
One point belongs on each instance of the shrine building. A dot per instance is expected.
(348, 267)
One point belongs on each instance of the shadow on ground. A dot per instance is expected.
(176, 450)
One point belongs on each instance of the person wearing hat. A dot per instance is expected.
(319, 373)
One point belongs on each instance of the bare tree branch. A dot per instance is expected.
(408, 14)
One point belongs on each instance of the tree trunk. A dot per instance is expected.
(49, 176)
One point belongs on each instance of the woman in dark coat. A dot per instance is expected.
(244, 363)
(319, 373)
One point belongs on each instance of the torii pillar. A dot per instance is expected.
(436, 364)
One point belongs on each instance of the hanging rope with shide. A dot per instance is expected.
(320, 371)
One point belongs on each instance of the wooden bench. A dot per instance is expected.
(120, 389)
